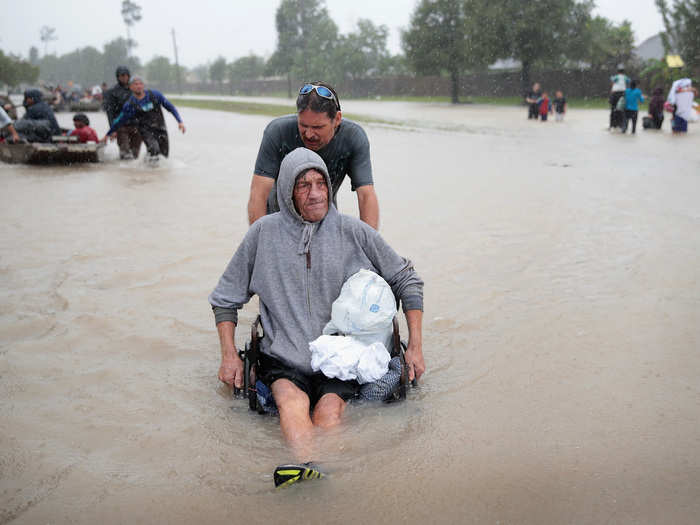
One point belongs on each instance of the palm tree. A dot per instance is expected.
(131, 13)
(47, 35)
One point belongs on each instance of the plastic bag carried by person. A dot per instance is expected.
(346, 358)
(364, 309)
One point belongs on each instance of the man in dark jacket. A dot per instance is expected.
(128, 136)
(38, 123)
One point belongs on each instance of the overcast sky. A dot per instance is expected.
(231, 28)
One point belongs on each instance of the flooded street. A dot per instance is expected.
(561, 331)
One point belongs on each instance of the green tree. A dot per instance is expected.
(90, 66)
(246, 68)
(217, 71)
(84, 66)
(451, 36)
(656, 73)
(396, 65)
(363, 52)
(599, 42)
(201, 71)
(116, 53)
(682, 29)
(306, 38)
(15, 71)
(46, 35)
(160, 71)
(534, 32)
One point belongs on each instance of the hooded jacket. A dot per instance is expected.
(297, 268)
(40, 110)
(114, 101)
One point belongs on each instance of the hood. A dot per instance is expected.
(122, 70)
(34, 94)
(301, 159)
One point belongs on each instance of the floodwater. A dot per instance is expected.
(561, 332)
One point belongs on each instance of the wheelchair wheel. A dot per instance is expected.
(249, 380)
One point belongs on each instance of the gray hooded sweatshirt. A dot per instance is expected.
(297, 269)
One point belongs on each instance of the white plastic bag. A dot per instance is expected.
(346, 358)
(364, 309)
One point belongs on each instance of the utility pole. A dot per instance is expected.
(177, 64)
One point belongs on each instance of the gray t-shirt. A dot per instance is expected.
(4, 118)
(346, 154)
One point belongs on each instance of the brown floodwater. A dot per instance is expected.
(561, 332)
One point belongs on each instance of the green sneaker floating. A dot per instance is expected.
(286, 475)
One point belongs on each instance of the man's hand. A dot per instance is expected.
(231, 371)
(181, 125)
(414, 361)
(110, 137)
(15, 136)
(414, 352)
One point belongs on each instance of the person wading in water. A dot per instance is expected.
(144, 107)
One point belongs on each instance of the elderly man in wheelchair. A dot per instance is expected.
(296, 261)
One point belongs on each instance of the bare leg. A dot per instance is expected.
(328, 411)
(293, 405)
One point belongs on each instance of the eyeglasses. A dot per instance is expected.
(321, 91)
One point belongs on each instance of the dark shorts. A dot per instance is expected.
(679, 124)
(315, 386)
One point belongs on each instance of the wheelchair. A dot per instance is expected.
(251, 361)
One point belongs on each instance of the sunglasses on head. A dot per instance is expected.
(321, 91)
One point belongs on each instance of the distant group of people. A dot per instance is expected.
(625, 98)
(134, 115)
(72, 94)
(540, 105)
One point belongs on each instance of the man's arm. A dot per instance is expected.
(13, 132)
(160, 98)
(231, 369)
(260, 188)
(170, 107)
(127, 113)
(6, 122)
(369, 205)
(414, 352)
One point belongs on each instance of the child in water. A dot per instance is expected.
(545, 106)
(82, 129)
(559, 106)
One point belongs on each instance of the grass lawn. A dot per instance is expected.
(276, 110)
(256, 108)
